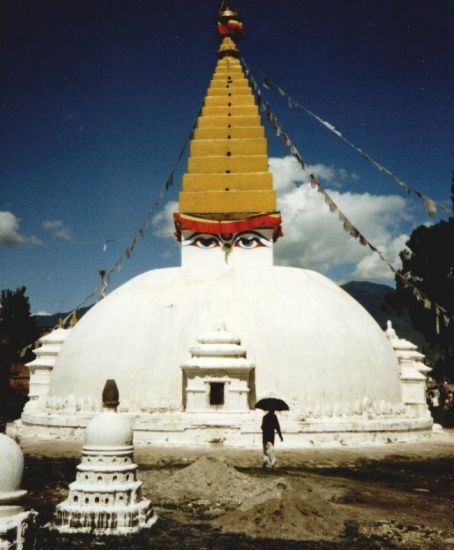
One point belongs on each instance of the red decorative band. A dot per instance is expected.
(201, 225)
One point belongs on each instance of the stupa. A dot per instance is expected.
(41, 367)
(17, 525)
(308, 341)
(106, 496)
(413, 373)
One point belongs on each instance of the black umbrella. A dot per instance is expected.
(271, 404)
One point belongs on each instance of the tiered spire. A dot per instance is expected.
(228, 177)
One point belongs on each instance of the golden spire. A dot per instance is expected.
(227, 176)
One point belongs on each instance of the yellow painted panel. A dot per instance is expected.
(224, 100)
(223, 133)
(233, 110)
(222, 74)
(224, 71)
(224, 80)
(218, 164)
(228, 63)
(222, 84)
(234, 146)
(236, 92)
(223, 182)
(233, 69)
(228, 80)
(227, 202)
(224, 121)
(228, 68)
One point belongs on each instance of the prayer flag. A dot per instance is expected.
(431, 207)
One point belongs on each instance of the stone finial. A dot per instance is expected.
(390, 332)
(110, 395)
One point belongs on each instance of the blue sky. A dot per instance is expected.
(97, 99)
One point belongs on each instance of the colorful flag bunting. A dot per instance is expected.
(430, 205)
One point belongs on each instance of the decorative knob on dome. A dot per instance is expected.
(110, 395)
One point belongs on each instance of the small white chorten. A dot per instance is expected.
(218, 375)
(413, 373)
(16, 525)
(106, 496)
(42, 366)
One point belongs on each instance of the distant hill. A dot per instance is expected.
(377, 299)
(372, 297)
(44, 322)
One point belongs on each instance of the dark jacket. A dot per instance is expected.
(270, 425)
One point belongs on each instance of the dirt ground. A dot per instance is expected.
(394, 496)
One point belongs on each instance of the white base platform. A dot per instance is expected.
(179, 429)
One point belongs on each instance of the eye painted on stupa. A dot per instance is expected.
(248, 240)
(205, 241)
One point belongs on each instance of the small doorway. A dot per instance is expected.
(217, 393)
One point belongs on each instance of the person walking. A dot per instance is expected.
(270, 425)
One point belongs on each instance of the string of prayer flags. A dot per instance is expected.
(169, 182)
(430, 205)
(347, 225)
(140, 234)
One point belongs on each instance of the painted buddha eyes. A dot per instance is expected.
(247, 240)
(205, 241)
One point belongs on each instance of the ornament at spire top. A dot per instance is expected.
(229, 23)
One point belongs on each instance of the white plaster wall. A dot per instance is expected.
(214, 258)
(312, 344)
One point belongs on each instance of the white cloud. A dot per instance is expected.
(314, 237)
(287, 173)
(162, 223)
(9, 231)
(58, 229)
(371, 267)
(33, 239)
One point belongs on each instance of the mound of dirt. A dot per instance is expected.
(208, 481)
(283, 513)
(265, 507)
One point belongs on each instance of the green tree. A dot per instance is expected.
(429, 264)
(17, 330)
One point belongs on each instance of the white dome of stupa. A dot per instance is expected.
(108, 429)
(11, 469)
(311, 343)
